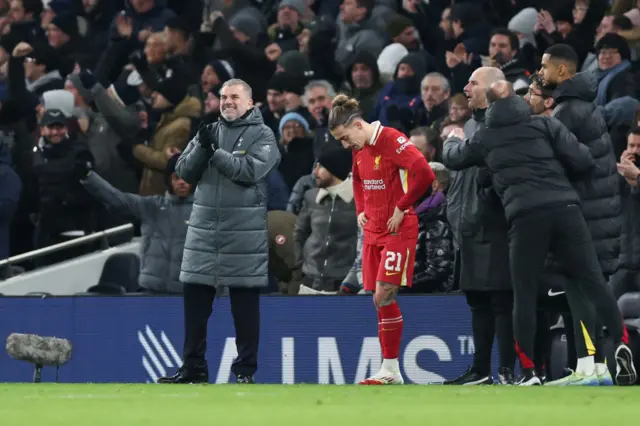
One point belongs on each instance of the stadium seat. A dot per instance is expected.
(121, 269)
(106, 289)
(42, 294)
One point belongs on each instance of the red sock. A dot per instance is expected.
(525, 361)
(380, 334)
(390, 330)
(625, 334)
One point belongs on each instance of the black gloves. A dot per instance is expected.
(206, 138)
(81, 169)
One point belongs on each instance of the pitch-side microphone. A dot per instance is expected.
(39, 351)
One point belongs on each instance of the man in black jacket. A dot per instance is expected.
(543, 209)
(574, 96)
(479, 226)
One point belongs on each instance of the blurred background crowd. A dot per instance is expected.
(125, 84)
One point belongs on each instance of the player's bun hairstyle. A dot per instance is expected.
(343, 111)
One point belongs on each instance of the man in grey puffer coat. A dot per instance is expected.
(227, 241)
(164, 224)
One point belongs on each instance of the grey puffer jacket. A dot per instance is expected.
(478, 221)
(326, 235)
(227, 240)
(164, 228)
(599, 191)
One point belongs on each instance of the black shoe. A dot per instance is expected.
(245, 380)
(186, 376)
(528, 377)
(469, 378)
(625, 370)
(505, 376)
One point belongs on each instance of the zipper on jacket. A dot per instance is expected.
(326, 244)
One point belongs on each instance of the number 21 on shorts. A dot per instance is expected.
(393, 263)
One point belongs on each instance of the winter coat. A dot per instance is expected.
(630, 236)
(296, 198)
(63, 204)
(529, 157)
(599, 191)
(227, 238)
(164, 220)
(433, 270)
(479, 225)
(366, 97)
(326, 235)
(10, 189)
(172, 130)
(355, 38)
(297, 160)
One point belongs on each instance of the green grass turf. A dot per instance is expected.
(313, 405)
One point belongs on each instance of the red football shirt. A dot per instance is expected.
(389, 171)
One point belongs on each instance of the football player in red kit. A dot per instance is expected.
(389, 176)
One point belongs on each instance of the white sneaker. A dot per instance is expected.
(384, 377)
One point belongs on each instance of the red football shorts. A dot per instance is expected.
(390, 261)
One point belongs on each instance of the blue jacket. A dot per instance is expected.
(10, 188)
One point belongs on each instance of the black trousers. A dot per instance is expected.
(562, 231)
(245, 309)
(491, 315)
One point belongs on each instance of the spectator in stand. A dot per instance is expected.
(326, 229)
(213, 75)
(459, 108)
(241, 40)
(64, 209)
(398, 94)
(288, 25)
(317, 98)
(357, 31)
(64, 43)
(627, 278)
(22, 25)
(296, 148)
(35, 68)
(318, 95)
(431, 107)
(428, 142)
(433, 270)
(522, 25)
(11, 186)
(614, 74)
(363, 78)
(273, 110)
(101, 139)
(176, 40)
(172, 131)
(164, 220)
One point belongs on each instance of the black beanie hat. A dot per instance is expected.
(337, 161)
(68, 24)
(278, 82)
(615, 41)
(170, 170)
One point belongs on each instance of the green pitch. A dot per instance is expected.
(313, 405)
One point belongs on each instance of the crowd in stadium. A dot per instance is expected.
(125, 85)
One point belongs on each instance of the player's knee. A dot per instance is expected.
(385, 294)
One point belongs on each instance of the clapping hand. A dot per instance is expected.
(628, 169)
(205, 137)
